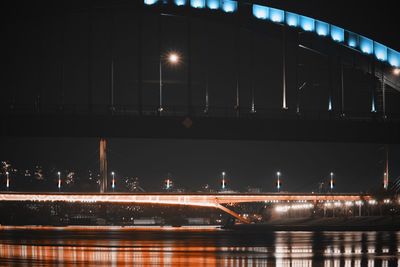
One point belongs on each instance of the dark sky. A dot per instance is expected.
(192, 164)
(40, 40)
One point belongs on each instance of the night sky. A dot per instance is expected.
(39, 41)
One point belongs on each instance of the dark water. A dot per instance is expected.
(49, 246)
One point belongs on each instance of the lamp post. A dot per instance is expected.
(113, 181)
(278, 181)
(59, 181)
(172, 58)
(223, 183)
(8, 181)
(331, 182)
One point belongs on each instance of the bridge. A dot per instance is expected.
(280, 76)
(212, 200)
(270, 74)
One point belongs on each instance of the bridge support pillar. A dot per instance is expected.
(103, 165)
(234, 214)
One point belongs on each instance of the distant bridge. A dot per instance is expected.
(214, 200)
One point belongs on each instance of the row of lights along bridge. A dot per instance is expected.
(168, 183)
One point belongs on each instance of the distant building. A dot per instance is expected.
(198, 221)
(133, 184)
(254, 190)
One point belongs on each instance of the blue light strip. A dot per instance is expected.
(337, 34)
(352, 40)
(380, 51)
(180, 2)
(261, 12)
(214, 4)
(307, 24)
(277, 15)
(322, 28)
(366, 45)
(292, 19)
(150, 2)
(229, 6)
(198, 3)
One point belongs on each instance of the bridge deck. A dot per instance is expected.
(193, 199)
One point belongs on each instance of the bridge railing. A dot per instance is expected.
(195, 111)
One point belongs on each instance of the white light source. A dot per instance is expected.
(278, 181)
(396, 71)
(113, 180)
(223, 183)
(59, 181)
(8, 180)
(173, 58)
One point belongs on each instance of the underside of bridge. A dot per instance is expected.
(287, 128)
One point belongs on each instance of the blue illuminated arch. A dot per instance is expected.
(337, 34)
(324, 29)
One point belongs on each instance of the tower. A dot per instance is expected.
(386, 174)
(103, 165)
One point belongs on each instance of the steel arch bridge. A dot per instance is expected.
(249, 71)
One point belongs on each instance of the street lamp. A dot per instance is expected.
(172, 58)
(359, 203)
(59, 181)
(331, 182)
(223, 183)
(8, 181)
(113, 181)
(278, 181)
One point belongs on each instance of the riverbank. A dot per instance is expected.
(370, 223)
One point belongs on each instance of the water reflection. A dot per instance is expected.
(196, 247)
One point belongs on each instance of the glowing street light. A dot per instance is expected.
(278, 181)
(223, 183)
(59, 181)
(396, 71)
(331, 182)
(359, 203)
(173, 58)
(168, 184)
(8, 181)
(113, 181)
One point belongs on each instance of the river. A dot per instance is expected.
(193, 246)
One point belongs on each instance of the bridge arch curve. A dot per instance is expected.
(321, 28)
